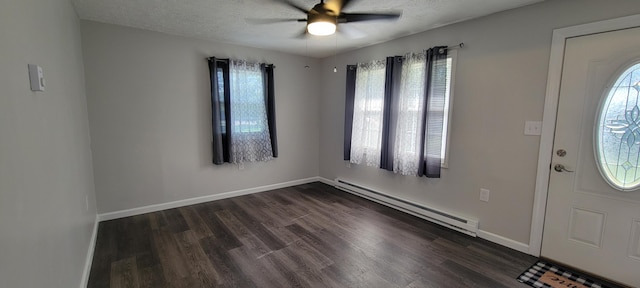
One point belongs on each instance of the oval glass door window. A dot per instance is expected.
(618, 132)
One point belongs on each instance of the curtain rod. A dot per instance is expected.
(461, 45)
(226, 60)
(441, 50)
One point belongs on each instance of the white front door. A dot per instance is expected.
(592, 219)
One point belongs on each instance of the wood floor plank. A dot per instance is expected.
(353, 258)
(151, 277)
(342, 275)
(288, 272)
(175, 221)
(252, 243)
(124, 273)
(276, 205)
(257, 229)
(300, 267)
(311, 223)
(474, 262)
(195, 222)
(438, 276)
(196, 260)
(230, 271)
(310, 235)
(417, 284)
(259, 273)
(369, 259)
(472, 277)
(221, 232)
(126, 242)
(304, 255)
(172, 261)
(156, 221)
(286, 236)
(104, 254)
(257, 209)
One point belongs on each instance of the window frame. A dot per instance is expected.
(448, 109)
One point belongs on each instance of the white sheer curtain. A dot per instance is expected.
(406, 158)
(250, 140)
(368, 105)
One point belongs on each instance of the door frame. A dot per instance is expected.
(545, 152)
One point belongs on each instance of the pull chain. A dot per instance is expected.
(307, 52)
(335, 53)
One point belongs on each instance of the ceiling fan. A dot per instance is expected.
(323, 18)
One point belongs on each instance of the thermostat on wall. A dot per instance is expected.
(36, 78)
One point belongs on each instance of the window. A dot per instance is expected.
(446, 124)
(410, 106)
(368, 113)
(222, 76)
(411, 137)
(243, 112)
(618, 132)
(248, 107)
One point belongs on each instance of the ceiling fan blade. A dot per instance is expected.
(303, 34)
(356, 17)
(293, 5)
(338, 5)
(351, 32)
(258, 21)
(345, 3)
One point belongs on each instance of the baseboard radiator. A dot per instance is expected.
(449, 220)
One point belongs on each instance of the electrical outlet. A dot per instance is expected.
(348, 164)
(484, 195)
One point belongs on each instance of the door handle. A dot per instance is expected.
(560, 168)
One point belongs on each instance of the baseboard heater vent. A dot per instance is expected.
(458, 223)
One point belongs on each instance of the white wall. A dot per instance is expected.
(500, 83)
(150, 117)
(45, 157)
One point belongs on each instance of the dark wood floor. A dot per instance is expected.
(304, 236)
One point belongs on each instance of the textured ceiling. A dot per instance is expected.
(226, 20)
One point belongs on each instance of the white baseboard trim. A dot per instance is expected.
(327, 181)
(504, 241)
(202, 199)
(92, 247)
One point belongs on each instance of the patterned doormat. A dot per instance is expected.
(547, 275)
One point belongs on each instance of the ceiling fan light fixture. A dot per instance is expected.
(321, 28)
(321, 25)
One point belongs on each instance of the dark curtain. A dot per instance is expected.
(432, 120)
(221, 108)
(348, 111)
(220, 114)
(267, 72)
(393, 73)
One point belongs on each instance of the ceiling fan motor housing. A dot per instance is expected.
(321, 21)
(321, 17)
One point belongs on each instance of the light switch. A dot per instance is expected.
(533, 128)
(36, 78)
